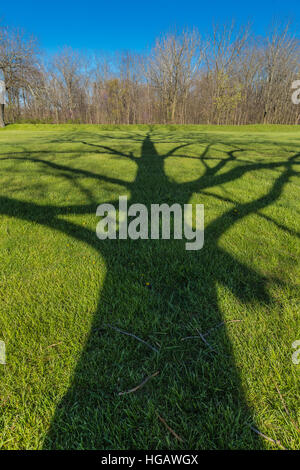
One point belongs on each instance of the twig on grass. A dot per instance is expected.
(201, 336)
(278, 443)
(210, 330)
(139, 386)
(134, 336)
(286, 408)
(190, 337)
(52, 345)
(206, 342)
(219, 325)
(170, 429)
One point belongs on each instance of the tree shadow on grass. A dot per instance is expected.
(156, 289)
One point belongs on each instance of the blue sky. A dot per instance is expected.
(110, 26)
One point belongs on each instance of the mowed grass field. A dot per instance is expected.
(221, 320)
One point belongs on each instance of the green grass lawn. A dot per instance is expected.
(60, 288)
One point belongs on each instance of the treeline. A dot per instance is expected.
(228, 77)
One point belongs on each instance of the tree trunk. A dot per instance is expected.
(2, 123)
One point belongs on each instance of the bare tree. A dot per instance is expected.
(172, 65)
(279, 65)
(222, 58)
(2, 102)
(18, 63)
(67, 81)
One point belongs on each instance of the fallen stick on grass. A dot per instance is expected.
(286, 409)
(278, 443)
(190, 337)
(139, 386)
(219, 325)
(170, 429)
(52, 345)
(206, 342)
(200, 335)
(134, 336)
(210, 330)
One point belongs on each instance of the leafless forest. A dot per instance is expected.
(228, 77)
